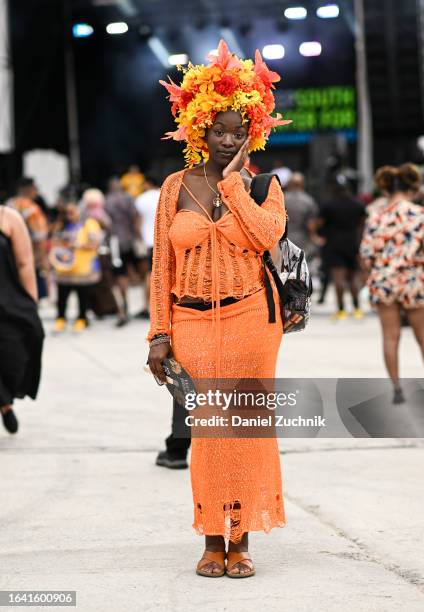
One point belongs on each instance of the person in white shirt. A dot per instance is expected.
(284, 174)
(146, 205)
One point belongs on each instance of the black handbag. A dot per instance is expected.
(290, 272)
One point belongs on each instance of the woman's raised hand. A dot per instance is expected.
(157, 354)
(238, 161)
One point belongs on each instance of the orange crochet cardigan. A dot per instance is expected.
(195, 256)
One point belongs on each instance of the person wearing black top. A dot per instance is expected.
(342, 219)
(21, 331)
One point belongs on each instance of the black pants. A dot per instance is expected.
(178, 443)
(14, 357)
(64, 292)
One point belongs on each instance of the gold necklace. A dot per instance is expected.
(217, 199)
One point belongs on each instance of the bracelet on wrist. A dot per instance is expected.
(159, 339)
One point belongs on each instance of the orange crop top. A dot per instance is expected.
(197, 257)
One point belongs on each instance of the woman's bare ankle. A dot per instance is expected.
(214, 543)
(242, 546)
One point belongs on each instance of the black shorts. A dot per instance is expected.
(147, 260)
(338, 255)
(336, 259)
(128, 258)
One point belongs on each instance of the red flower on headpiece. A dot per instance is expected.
(226, 86)
(186, 97)
(268, 77)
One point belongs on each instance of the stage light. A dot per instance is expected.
(272, 52)
(82, 30)
(159, 49)
(119, 27)
(310, 49)
(295, 12)
(178, 59)
(328, 11)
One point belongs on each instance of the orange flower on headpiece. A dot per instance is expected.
(226, 83)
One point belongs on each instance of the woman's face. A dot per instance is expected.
(72, 213)
(225, 137)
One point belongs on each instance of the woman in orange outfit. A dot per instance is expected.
(208, 301)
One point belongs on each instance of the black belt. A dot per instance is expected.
(231, 300)
(208, 305)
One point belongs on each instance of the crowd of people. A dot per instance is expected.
(328, 228)
(94, 246)
(91, 246)
(98, 245)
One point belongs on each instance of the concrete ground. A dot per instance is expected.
(83, 507)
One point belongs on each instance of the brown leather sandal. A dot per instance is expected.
(239, 557)
(210, 556)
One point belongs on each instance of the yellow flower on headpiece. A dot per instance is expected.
(226, 83)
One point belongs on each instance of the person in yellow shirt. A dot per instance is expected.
(75, 262)
(133, 181)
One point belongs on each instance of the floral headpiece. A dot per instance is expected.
(226, 83)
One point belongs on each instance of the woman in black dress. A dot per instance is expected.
(21, 332)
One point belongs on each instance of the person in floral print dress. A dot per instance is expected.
(392, 252)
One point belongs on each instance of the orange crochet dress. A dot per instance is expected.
(236, 482)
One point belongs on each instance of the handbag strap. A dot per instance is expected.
(259, 187)
(259, 191)
(278, 283)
